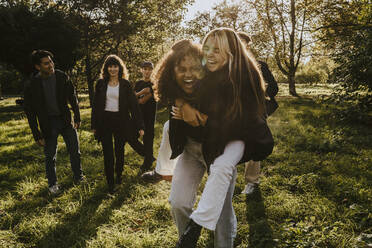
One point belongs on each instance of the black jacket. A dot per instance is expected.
(130, 116)
(272, 88)
(215, 94)
(35, 104)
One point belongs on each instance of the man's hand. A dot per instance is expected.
(141, 100)
(76, 125)
(40, 142)
(141, 132)
(144, 91)
(94, 131)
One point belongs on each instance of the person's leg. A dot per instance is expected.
(50, 152)
(252, 171)
(251, 176)
(72, 144)
(148, 138)
(213, 197)
(119, 156)
(187, 176)
(108, 157)
(226, 226)
(164, 165)
(137, 146)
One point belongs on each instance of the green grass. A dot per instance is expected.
(315, 188)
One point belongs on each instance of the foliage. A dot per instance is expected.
(121, 27)
(315, 188)
(279, 29)
(25, 29)
(224, 14)
(348, 35)
(11, 81)
(316, 71)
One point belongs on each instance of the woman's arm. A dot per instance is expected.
(183, 111)
(144, 95)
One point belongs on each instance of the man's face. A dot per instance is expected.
(46, 66)
(187, 72)
(146, 72)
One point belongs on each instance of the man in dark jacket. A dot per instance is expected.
(145, 96)
(45, 104)
(252, 168)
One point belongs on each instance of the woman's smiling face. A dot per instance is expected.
(188, 71)
(113, 70)
(215, 59)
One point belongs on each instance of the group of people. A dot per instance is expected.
(219, 98)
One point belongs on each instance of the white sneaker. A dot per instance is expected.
(249, 188)
(54, 189)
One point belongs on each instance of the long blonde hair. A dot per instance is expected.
(240, 62)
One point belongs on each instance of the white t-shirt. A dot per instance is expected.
(112, 98)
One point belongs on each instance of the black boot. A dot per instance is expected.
(190, 236)
(151, 177)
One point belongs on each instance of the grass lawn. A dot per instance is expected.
(315, 191)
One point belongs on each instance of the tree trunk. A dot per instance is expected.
(90, 81)
(292, 83)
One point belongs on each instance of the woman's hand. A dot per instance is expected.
(189, 115)
(176, 113)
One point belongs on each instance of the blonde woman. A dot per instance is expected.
(232, 95)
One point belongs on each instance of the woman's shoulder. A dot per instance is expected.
(125, 83)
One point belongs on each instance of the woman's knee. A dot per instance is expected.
(178, 204)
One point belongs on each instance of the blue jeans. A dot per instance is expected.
(70, 137)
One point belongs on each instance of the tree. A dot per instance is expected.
(286, 22)
(109, 27)
(346, 31)
(233, 15)
(279, 29)
(25, 29)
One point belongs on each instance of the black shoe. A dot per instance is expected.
(151, 177)
(190, 236)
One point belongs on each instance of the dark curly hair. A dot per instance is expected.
(163, 77)
(113, 60)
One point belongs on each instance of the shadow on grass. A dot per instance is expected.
(11, 109)
(260, 232)
(75, 229)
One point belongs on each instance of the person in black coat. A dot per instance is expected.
(46, 99)
(253, 168)
(115, 115)
(232, 96)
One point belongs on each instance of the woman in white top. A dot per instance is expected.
(115, 114)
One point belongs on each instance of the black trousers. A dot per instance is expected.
(112, 132)
(148, 113)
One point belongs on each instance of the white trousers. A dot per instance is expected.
(214, 211)
(164, 165)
